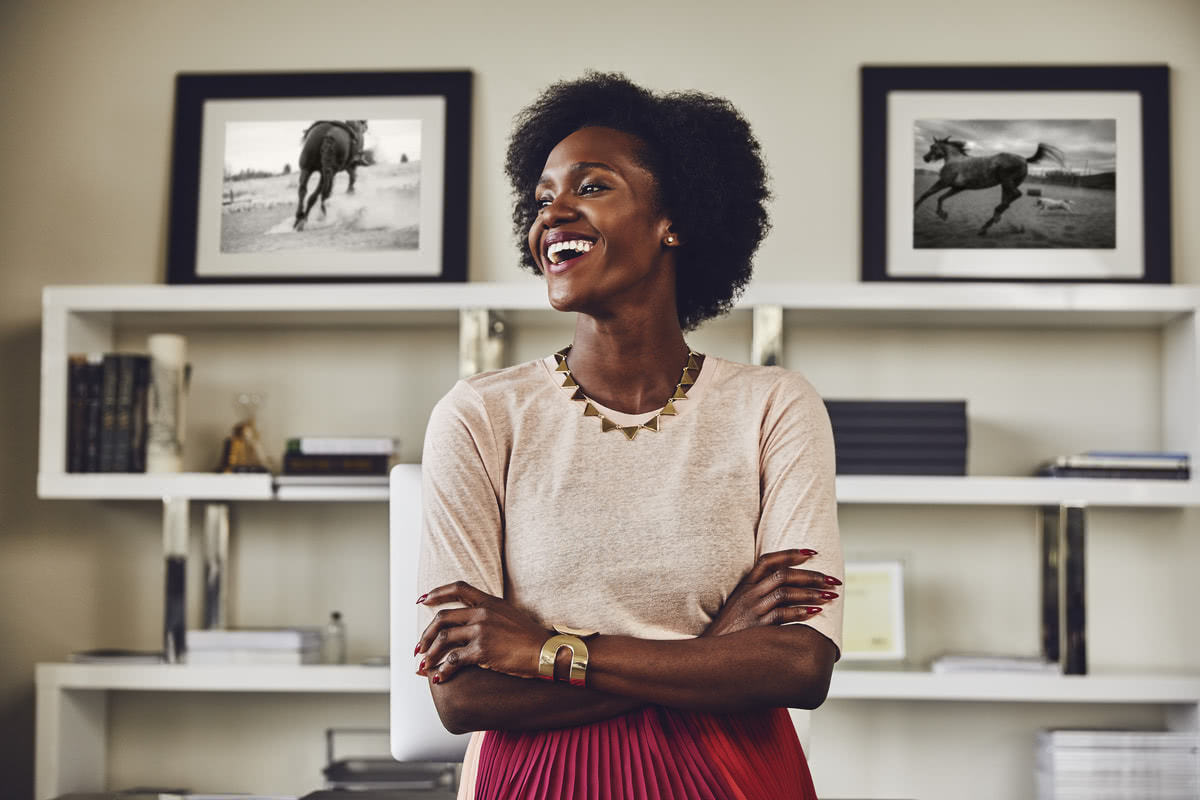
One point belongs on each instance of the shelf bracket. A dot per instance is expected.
(766, 347)
(481, 341)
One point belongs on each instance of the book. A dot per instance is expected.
(1074, 613)
(130, 366)
(138, 427)
(331, 480)
(1116, 764)
(109, 376)
(342, 445)
(300, 464)
(94, 375)
(900, 468)
(77, 367)
(1049, 517)
(108, 655)
(301, 638)
(254, 656)
(897, 408)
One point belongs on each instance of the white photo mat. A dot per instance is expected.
(904, 108)
(873, 624)
(424, 261)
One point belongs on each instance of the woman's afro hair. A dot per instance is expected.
(707, 164)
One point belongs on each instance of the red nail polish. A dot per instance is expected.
(422, 664)
(813, 609)
(421, 599)
(832, 581)
(437, 678)
(807, 552)
(417, 649)
(828, 595)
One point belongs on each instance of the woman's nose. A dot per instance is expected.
(560, 209)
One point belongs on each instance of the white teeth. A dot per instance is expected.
(577, 245)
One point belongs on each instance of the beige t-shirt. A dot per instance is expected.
(526, 498)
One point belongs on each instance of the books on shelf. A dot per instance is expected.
(106, 412)
(1111, 764)
(115, 656)
(982, 662)
(1118, 464)
(342, 445)
(899, 437)
(279, 646)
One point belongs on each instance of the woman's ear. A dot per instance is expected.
(671, 239)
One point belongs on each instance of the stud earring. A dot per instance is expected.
(671, 239)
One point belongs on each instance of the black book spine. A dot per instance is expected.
(141, 393)
(91, 423)
(1178, 474)
(76, 412)
(897, 408)
(123, 414)
(899, 439)
(1074, 638)
(1050, 538)
(110, 376)
(900, 468)
(300, 464)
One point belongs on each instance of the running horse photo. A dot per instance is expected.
(328, 147)
(961, 172)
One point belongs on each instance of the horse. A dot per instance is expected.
(328, 147)
(962, 172)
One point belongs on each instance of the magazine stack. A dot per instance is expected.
(1115, 765)
(1119, 464)
(899, 437)
(278, 646)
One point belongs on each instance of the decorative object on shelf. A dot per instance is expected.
(216, 565)
(899, 437)
(1011, 174)
(176, 519)
(874, 612)
(242, 450)
(166, 406)
(333, 640)
(353, 176)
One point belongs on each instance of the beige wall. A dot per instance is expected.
(86, 89)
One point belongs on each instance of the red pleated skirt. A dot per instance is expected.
(653, 753)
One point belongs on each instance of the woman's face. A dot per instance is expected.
(600, 236)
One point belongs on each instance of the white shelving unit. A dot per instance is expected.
(72, 699)
(83, 319)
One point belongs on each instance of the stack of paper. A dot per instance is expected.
(1114, 765)
(254, 646)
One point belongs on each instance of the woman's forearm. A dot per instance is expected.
(480, 700)
(756, 668)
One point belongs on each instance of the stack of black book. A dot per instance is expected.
(899, 437)
(1119, 464)
(106, 412)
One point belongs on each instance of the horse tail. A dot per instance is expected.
(1045, 150)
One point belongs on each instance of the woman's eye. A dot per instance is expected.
(590, 188)
(542, 202)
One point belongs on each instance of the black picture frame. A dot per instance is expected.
(445, 96)
(1147, 261)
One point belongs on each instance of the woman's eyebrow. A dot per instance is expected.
(579, 166)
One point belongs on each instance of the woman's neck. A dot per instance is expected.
(629, 368)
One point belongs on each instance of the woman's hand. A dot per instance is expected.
(772, 593)
(489, 633)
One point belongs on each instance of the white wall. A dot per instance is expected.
(85, 141)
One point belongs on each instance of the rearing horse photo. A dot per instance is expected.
(962, 172)
(328, 147)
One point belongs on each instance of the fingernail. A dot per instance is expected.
(421, 599)
(828, 595)
(417, 649)
(437, 678)
(422, 664)
(807, 552)
(813, 609)
(832, 581)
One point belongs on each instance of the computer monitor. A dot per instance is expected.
(417, 732)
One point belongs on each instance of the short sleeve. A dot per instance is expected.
(798, 488)
(462, 497)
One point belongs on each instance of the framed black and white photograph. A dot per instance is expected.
(1016, 174)
(322, 177)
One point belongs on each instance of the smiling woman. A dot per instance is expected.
(674, 586)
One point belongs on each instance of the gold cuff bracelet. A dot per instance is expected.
(579, 658)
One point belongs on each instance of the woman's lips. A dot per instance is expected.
(563, 266)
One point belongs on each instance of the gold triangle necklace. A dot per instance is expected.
(690, 372)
